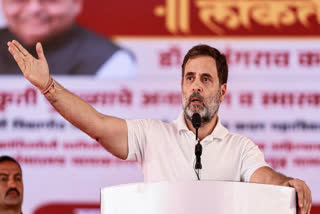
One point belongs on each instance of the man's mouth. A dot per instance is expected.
(12, 193)
(196, 100)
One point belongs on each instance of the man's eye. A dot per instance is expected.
(189, 78)
(3, 178)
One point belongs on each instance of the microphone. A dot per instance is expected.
(196, 122)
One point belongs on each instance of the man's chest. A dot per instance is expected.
(175, 159)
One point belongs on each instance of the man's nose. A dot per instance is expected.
(12, 183)
(197, 86)
(34, 5)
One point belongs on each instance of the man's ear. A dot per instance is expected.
(223, 92)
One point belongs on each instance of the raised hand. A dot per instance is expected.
(35, 70)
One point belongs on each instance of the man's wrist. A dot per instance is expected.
(50, 88)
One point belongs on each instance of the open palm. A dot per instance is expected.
(35, 70)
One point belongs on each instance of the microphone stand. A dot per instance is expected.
(196, 122)
(198, 153)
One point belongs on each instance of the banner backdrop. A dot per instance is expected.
(273, 94)
(273, 98)
(225, 18)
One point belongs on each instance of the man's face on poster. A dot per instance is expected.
(38, 20)
(11, 185)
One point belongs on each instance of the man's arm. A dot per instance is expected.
(266, 175)
(110, 132)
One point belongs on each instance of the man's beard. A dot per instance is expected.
(207, 109)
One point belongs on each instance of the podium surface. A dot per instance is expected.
(198, 197)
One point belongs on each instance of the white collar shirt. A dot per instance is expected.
(165, 152)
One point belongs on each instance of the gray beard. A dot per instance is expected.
(206, 111)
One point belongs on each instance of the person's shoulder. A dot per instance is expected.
(92, 38)
(152, 123)
(163, 127)
(93, 41)
(4, 30)
(237, 139)
(149, 121)
(5, 34)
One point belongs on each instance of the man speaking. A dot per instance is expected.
(166, 151)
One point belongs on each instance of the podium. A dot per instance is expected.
(198, 197)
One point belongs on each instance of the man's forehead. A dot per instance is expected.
(9, 167)
(202, 64)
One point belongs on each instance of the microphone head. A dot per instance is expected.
(196, 120)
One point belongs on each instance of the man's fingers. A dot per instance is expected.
(309, 209)
(304, 195)
(310, 201)
(40, 51)
(301, 202)
(17, 55)
(20, 62)
(301, 198)
(21, 49)
(300, 195)
(14, 50)
(305, 202)
(307, 197)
